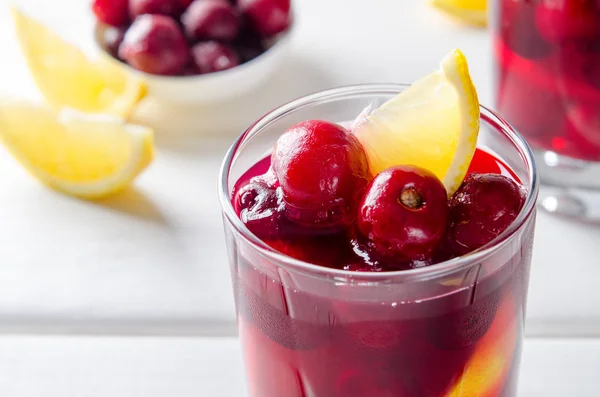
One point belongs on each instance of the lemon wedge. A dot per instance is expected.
(489, 366)
(78, 154)
(67, 78)
(472, 12)
(433, 124)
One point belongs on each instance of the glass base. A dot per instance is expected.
(570, 187)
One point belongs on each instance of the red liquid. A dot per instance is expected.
(548, 68)
(303, 337)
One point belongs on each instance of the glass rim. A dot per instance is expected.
(424, 273)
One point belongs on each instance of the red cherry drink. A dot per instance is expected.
(354, 283)
(548, 73)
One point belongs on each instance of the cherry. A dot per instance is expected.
(211, 19)
(112, 38)
(212, 56)
(482, 208)
(578, 62)
(258, 205)
(269, 17)
(155, 44)
(403, 214)
(517, 27)
(172, 8)
(559, 20)
(249, 44)
(323, 171)
(111, 12)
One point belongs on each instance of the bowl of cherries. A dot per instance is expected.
(195, 50)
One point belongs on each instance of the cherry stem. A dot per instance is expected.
(411, 199)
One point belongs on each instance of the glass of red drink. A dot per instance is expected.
(547, 57)
(309, 329)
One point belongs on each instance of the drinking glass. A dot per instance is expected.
(452, 329)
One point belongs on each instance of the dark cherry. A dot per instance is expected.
(403, 215)
(111, 12)
(212, 56)
(483, 207)
(558, 21)
(323, 172)
(172, 8)
(578, 61)
(211, 20)
(258, 205)
(517, 27)
(112, 38)
(155, 44)
(269, 17)
(248, 43)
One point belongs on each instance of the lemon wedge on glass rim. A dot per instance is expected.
(66, 77)
(88, 156)
(433, 124)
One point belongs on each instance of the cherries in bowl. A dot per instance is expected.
(195, 50)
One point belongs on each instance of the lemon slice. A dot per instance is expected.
(473, 12)
(66, 77)
(433, 124)
(81, 155)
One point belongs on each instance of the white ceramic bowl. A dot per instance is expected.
(212, 87)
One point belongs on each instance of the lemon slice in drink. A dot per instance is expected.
(433, 124)
(66, 77)
(473, 12)
(79, 154)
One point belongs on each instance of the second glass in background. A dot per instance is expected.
(547, 56)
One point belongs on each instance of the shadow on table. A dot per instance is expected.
(185, 128)
(135, 203)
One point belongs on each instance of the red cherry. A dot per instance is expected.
(212, 56)
(211, 19)
(517, 28)
(258, 205)
(483, 207)
(172, 8)
(578, 62)
(559, 20)
(112, 38)
(403, 214)
(249, 44)
(111, 12)
(323, 171)
(155, 44)
(269, 17)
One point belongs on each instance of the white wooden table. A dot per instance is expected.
(152, 261)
